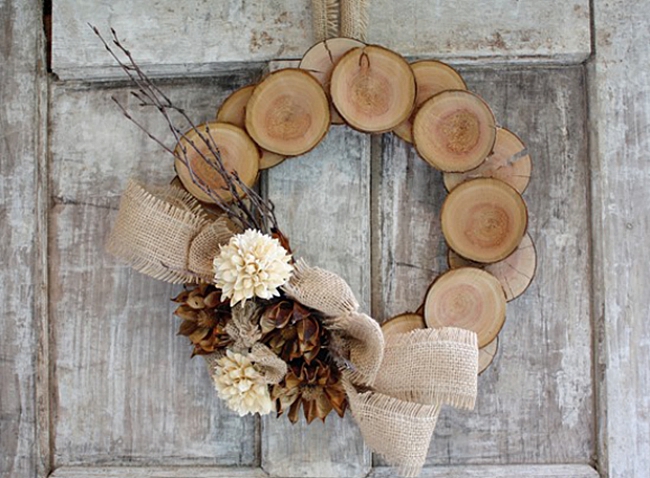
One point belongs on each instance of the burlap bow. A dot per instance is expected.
(395, 387)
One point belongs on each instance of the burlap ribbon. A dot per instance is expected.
(346, 18)
(395, 387)
(163, 232)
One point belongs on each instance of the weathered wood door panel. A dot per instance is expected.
(126, 390)
(323, 198)
(535, 403)
(23, 314)
(204, 37)
(120, 399)
(95, 383)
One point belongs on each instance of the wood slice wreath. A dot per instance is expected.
(281, 336)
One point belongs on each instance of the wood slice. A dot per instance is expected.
(431, 77)
(454, 131)
(484, 220)
(515, 272)
(486, 355)
(403, 323)
(269, 159)
(373, 89)
(456, 262)
(233, 111)
(238, 153)
(509, 162)
(210, 208)
(288, 112)
(468, 298)
(320, 59)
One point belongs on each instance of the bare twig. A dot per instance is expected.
(247, 208)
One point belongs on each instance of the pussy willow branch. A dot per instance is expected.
(247, 208)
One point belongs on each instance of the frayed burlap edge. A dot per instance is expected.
(365, 342)
(325, 19)
(355, 19)
(399, 431)
(162, 231)
(176, 197)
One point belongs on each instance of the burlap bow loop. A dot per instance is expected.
(363, 341)
(420, 371)
(163, 232)
(321, 290)
(358, 335)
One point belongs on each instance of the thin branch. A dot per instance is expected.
(247, 208)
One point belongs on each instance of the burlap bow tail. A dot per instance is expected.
(395, 387)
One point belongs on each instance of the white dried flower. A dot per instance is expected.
(251, 265)
(241, 385)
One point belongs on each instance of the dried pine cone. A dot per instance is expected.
(295, 333)
(205, 316)
(317, 386)
(292, 331)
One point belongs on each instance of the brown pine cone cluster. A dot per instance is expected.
(295, 333)
(205, 316)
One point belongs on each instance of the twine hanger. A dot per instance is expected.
(344, 18)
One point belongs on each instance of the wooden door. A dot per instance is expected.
(94, 381)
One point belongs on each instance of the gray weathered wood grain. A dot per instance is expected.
(620, 114)
(158, 472)
(126, 389)
(323, 204)
(507, 471)
(535, 402)
(23, 430)
(197, 37)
